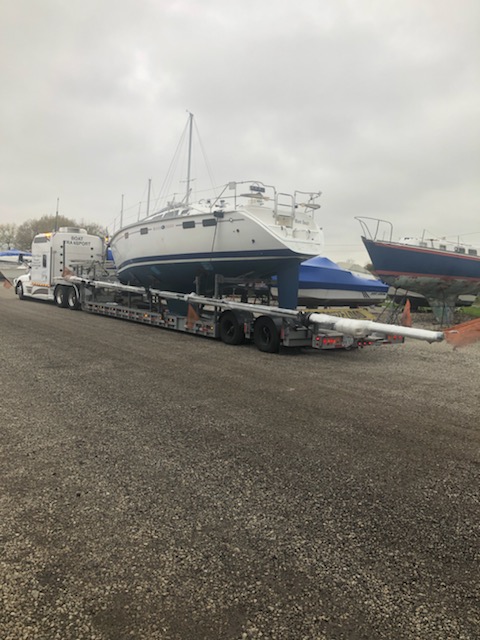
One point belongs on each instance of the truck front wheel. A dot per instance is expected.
(19, 291)
(61, 297)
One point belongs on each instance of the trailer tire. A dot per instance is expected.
(231, 329)
(61, 296)
(266, 334)
(72, 299)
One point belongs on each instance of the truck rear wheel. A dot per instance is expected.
(266, 334)
(72, 299)
(231, 329)
(61, 296)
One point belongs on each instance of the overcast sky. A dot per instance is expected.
(374, 102)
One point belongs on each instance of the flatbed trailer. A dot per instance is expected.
(232, 321)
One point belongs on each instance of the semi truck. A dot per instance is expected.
(68, 268)
(53, 256)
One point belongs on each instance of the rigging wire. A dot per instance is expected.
(179, 156)
(173, 166)
(205, 159)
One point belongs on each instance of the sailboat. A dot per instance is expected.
(435, 268)
(247, 229)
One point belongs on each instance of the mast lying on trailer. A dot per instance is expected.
(351, 327)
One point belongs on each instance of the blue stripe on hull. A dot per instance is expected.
(254, 257)
(180, 276)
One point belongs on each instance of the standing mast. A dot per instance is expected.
(148, 197)
(190, 115)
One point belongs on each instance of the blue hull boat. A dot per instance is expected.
(434, 268)
(425, 270)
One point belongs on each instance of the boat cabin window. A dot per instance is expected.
(40, 239)
(188, 224)
(423, 244)
(143, 231)
(209, 222)
(443, 246)
(459, 249)
(44, 260)
(472, 252)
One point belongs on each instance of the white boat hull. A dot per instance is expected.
(171, 251)
(337, 297)
(10, 270)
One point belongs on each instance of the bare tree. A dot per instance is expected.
(95, 229)
(28, 230)
(8, 233)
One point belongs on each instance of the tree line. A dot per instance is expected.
(20, 237)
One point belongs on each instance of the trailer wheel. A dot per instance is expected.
(231, 329)
(61, 296)
(72, 299)
(19, 291)
(266, 335)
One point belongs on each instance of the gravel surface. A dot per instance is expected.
(162, 486)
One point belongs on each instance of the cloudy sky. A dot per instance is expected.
(374, 102)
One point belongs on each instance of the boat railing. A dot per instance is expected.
(257, 192)
(283, 204)
(284, 209)
(375, 228)
(309, 204)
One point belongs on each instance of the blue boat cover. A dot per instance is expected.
(14, 252)
(320, 272)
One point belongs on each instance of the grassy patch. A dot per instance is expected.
(473, 312)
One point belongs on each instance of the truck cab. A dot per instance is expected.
(54, 255)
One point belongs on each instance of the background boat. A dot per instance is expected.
(13, 263)
(439, 270)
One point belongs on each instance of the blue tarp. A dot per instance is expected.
(322, 273)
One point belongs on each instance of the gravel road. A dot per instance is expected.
(160, 486)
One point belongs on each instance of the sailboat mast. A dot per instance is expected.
(190, 115)
(148, 197)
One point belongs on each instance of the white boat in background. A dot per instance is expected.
(13, 263)
(247, 230)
